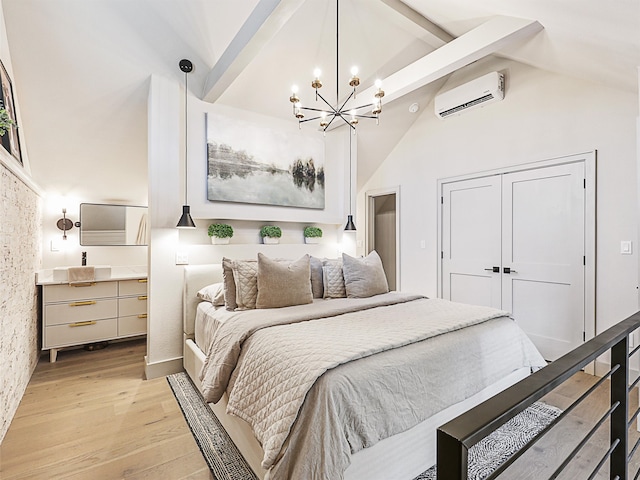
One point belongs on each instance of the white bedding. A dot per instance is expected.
(451, 368)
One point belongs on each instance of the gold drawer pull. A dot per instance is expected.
(142, 297)
(142, 315)
(82, 324)
(88, 284)
(142, 280)
(82, 304)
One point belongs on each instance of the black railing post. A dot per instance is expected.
(452, 457)
(618, 425)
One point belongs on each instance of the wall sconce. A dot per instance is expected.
(65, 224)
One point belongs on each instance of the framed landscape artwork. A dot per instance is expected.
(253, 163)
(9, 140)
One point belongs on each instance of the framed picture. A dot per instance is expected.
(253, 163)
(10, 140)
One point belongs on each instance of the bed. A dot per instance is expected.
(366, 412)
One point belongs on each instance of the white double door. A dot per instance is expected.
(516, 241)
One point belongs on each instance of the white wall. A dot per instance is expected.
(543, 116)
(166, 196)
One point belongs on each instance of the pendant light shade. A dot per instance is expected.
(350, 226)
(185, 220)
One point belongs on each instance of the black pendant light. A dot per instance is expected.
(185, 220)
(350, 226)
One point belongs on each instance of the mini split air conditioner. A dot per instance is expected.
(476, 93)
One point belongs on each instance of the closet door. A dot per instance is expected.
(471, 241)
(543, 212)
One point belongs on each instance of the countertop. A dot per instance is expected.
(131, 272)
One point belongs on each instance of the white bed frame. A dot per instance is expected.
(402, 456)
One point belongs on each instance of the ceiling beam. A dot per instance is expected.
(438, 36)
(265, 21)
(486, 39)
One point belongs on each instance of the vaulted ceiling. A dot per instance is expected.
(81, 67)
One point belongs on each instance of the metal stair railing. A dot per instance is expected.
(455, 438)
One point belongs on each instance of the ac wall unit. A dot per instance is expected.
(476, 93)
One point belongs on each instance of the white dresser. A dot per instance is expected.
(92, 312)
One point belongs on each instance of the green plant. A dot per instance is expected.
(5, 121)
(270, 231)
(220, 230)
(312, 232)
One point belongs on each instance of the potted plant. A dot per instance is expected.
(220, 233)
(312, 234)
(270, 234)
(5, 120)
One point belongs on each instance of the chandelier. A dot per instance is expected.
(328, 113)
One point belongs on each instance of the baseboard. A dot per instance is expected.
(162, 369)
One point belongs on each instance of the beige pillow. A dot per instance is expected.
(283, 284)
(229, 284)
(332, 279)
(364, 277)
(245, 274)
(213, 293)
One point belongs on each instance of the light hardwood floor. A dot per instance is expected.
(91, 415)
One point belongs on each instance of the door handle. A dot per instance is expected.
(508, 270)
(493, 269)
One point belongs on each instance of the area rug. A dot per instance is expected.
(227, 463)
(222, 456)
(490, 452)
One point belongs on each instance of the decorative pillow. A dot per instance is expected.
(283, 284)
(245, 274)
(364, 277)
(333, 280)
(316, 277)
(213, 293)
(229, 284)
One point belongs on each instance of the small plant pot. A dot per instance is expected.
(311, 240)
(219, 241)
(270, 240)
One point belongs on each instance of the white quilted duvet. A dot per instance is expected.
(275, 367)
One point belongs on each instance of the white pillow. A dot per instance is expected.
(364, 277)
(213, 293)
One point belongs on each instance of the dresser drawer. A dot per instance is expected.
(132, 325)
(79, 311)
(132, 305)
(132, 287)
(80, 332)
(82, 291)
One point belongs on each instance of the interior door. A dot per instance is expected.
(516, 241)
(471, 241)
(543, 255)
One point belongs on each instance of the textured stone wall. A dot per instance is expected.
(20, 258)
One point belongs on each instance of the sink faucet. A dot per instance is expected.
(84, 259)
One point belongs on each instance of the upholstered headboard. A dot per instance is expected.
(196, 277)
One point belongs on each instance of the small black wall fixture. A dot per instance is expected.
(185, 220)
(350, 226)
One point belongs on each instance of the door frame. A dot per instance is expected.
(370, 197)
(589, 160)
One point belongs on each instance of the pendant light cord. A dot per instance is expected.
(350, 179)
(186, 140)
(337, 52)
